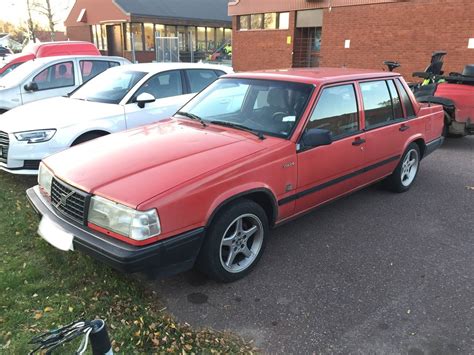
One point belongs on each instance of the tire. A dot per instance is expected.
(230, 231)
(87, 137)
(406, 171)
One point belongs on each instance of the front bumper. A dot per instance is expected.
(23, 158)
(163, 258)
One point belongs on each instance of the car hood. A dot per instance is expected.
(133, 166)
(57, 112)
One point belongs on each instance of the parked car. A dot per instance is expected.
(50, 77)
(5, 52)
(204, 188)
(118, 99)
(46, 49)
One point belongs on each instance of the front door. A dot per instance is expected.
(327, 172)
(114, 40)
(167, 89)
(56, 80)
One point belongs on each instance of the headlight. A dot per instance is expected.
(123, 220)
(35, 136)
(45, 178)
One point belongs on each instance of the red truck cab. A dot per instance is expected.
(46, 49)
(250, 152)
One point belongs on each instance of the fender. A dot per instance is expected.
(445, 102)
(238, 192)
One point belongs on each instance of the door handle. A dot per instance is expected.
(358, 141)
(403, 128)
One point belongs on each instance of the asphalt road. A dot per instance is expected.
(375, 272)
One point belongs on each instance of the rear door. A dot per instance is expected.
(91, 68)
(386, 126)
(168, 90)
(198, 79)
(327, 172)
(55, 80)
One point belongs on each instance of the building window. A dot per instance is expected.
(284, 20)
(211, 38)
(94, 36)
(244, 22)
(104, 37)
(149, 37)
(316, 39)
(270, 21)
(267, 21)
(171, 31)
(183, 39)
(201, 39)
(256, 21)
(137, 30)
(228, 34)
(219, 36)
(160, 31)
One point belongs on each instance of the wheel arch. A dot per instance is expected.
(261, 195)
(99, 132)
(421, 145)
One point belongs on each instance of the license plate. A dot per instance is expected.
(55, 235)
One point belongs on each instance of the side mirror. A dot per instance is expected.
(144, 99)
(315, 137)
(31, 86)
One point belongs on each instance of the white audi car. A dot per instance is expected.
(118, 99)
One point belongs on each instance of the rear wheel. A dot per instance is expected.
(235, 242)
(405, 174)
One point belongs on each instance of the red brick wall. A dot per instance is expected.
(256, 50)
(407, 32)
(79, 33)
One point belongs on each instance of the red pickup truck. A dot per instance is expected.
(248, 153)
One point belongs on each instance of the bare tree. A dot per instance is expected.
(43, 7)
(31, 25)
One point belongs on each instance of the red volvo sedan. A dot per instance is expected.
(248, 153)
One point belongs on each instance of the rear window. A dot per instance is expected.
(410, 112)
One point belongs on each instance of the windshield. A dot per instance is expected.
(16, 76)
(266, 106)
(109, 87)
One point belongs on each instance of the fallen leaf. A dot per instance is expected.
(48, 309)
(38, 315)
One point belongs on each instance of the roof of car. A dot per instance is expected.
(315, 75)
(157, 67)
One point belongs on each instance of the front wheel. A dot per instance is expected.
(405, 174)
(235, 242)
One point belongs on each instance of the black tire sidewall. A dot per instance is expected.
(395, 180)
(209, 256)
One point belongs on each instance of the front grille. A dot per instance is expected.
(4, 144)
(69, 201)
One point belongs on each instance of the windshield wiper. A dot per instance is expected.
(239, 126)
(192, 116)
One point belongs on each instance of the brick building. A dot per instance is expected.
(298, 33)
(201, 25)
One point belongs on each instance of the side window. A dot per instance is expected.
(200, 78)
(56, 76)
(397, 106)
(336, 111)
(113, 64)
(406, 100)
(92, 68)
(377, 103)
(163, 85)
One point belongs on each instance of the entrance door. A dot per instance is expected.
(307, 47)
(114, 40)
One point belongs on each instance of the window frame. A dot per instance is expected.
(133, 97)
(399, 86)
(383, 124)
(187, 80)
(53, 65)
(248, 18)
(315, 103)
